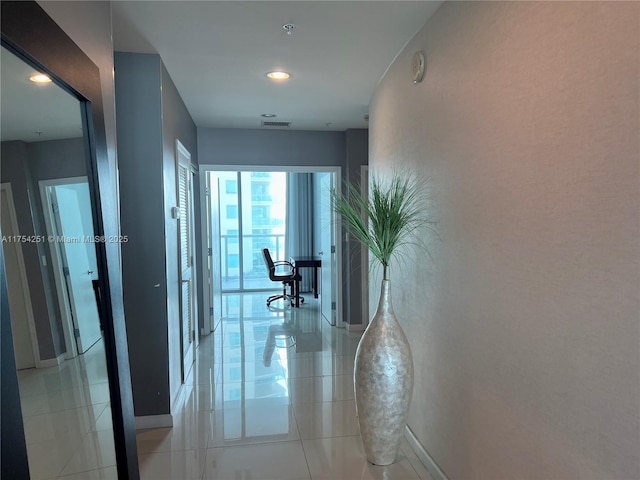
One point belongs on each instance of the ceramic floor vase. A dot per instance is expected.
(383, 381)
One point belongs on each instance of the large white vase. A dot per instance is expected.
(383, 381)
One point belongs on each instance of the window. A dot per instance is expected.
(260, 215)
(252, 216)
(260, 192)
(235, 374)
(232, 211)
(231, 186)
(234, 339)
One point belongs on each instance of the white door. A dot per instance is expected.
(78, 271)
(214, 263)
(327, 250)
(186, 251)
(19, 304)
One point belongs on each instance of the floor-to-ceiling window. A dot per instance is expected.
(252, 216)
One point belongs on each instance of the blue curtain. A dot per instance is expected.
(299, 228)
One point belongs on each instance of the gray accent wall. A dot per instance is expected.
(285, 148)
(524, 323)
(176, 125)
(150, 117)
(139, 136)
(357, 155)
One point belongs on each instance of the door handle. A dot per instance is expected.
(89, 272)
(321, 253)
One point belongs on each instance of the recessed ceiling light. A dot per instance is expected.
(277, 75)
(268, 115)
(40, 78)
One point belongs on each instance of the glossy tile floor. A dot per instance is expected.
(270, 397)
(67, 419)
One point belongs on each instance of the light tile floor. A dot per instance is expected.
(270, 397)
(67, 419)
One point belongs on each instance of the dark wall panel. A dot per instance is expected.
(139, 133)
(296, 148)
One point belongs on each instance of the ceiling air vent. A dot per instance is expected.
(276, 124)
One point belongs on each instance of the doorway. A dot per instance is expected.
(69, 225)
(218, 181)
(324, 183)
(186, 250)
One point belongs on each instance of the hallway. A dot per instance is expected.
(270, 397)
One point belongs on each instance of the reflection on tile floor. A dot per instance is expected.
(270, 397)
(67, 419)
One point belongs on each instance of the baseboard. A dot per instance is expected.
(154, 421)
(358, 327)
(52, 362)
(178, 400)
(424, 456)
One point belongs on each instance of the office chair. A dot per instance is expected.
(290, 278)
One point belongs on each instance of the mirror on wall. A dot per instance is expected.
(53, 277)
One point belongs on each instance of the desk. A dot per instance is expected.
(310, 262)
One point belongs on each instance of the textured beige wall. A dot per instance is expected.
(525, 324)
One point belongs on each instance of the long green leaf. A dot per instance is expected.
(386, 220)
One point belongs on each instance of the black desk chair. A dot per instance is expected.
(290, 278)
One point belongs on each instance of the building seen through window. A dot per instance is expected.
(252, 216)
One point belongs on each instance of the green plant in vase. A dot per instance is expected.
(390, 218)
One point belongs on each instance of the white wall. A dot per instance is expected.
(524, 326)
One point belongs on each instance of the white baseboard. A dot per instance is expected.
(358, 327)
(154, 421)
(424, 456)
(177, 401)
(52, 362)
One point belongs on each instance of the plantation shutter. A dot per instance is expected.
(183, 200)
(185, 248)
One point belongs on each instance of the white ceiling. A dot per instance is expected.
(217, 53)
(29, 108)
